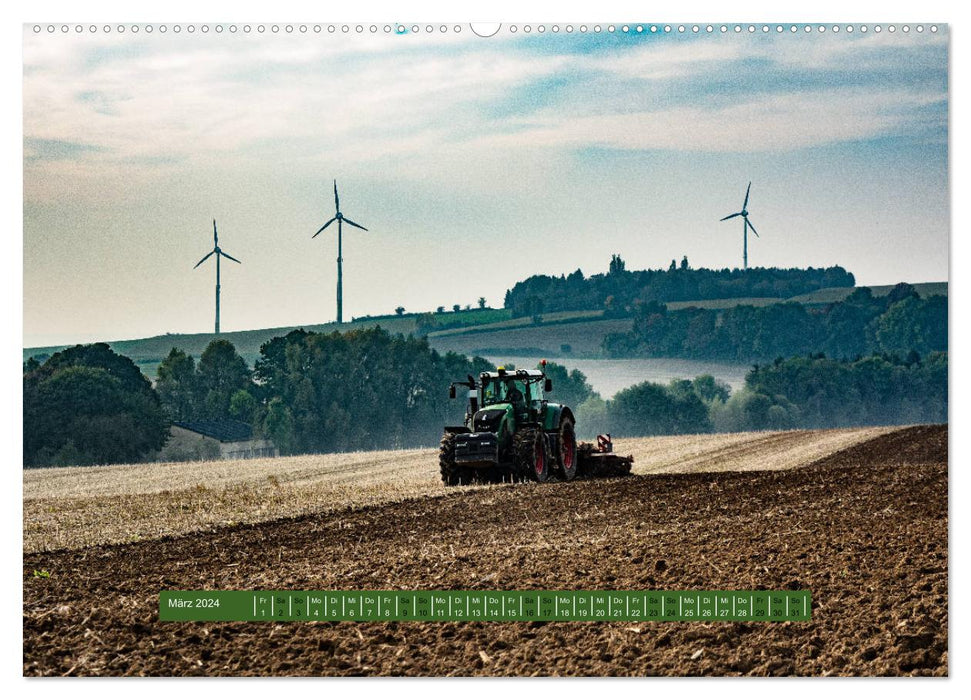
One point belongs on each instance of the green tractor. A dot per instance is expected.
(513, 433)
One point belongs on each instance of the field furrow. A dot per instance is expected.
(865, 529)
(84, 506)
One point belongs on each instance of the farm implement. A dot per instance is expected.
(513, 433)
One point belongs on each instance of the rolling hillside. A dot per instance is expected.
(476, 332)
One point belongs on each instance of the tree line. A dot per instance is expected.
(308, 392)
(360, 390)
(368, 389)
(620, 291)
(861, 324)
(807, 392)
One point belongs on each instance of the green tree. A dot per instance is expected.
(482, 302)
(652, 409)
(400, 311)
(222, 372)
(617, 265)
(278, 426)
(89, 405)
(363, 389)
(570, 387)
(710, 389)
(242, 406)
(272, 363)
(178, 385)
(901, 291)
(913, 324)
(818, 392)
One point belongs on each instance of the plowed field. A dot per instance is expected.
(863, 526)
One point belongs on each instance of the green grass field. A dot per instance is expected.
(522, 322)
(722, 303)
(583, 337)
(834, 294)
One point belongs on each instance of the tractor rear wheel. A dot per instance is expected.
(568, 450)
(529, 445)
(452, 474)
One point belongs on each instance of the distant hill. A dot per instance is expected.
(621, 289)
(475, 331)
(580, 333)
(833, 294)
(147, 353)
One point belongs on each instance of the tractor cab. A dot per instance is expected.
(522, 389)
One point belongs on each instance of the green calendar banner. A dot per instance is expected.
(485, 606)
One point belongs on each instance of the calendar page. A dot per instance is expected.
(604, 348)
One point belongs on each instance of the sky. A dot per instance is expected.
(473, 162)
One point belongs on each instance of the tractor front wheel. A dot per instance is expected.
(452, 474)
(532, 463)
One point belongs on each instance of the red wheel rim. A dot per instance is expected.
(540, 459)
(569, 445)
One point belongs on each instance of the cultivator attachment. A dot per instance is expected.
(597, 460)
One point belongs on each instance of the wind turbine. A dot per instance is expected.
(219, 253)
(340, 219)
(746, 226)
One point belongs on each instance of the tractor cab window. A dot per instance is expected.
(490, 393)
(535, 392)
(504, 390)
(515, 391)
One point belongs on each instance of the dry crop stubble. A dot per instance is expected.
(85, 506)
(865, 529)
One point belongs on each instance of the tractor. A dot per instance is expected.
(512, 432)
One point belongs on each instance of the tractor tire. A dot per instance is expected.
(452, 474)
(568, 459)
(529, 446)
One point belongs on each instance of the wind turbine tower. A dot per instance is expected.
(219, 253)
(341, 220)
(745, 227)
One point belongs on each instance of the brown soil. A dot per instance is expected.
(865, 530)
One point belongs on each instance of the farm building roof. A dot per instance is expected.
(223, 429)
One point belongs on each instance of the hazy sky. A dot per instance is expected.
(474, 163)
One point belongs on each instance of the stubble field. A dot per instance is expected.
(86, 506)
(858, 517)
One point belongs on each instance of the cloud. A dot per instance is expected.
(54, 149)
(770, 123)
(137, 107)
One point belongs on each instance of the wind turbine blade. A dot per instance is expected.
(323, 227)
(227, 255)
(731, 216)
(204, 259)
(337, 201)
(215, 236)
(348, 221)
(749, 189)
(753, 228)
